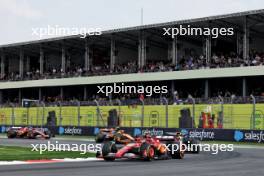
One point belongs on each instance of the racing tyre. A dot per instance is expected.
(176, 154)
(109, 147)
(11, 134)
(147, 152)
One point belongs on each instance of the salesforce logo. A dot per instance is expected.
(137, 131)
(184, 132)
(3, 129)
(61, 130)
(238, 135)
(96, 130)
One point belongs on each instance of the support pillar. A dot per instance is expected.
(169, 55)
(208, 47)
(172, 87)
(244, 87)
(39, 94)
(139, 52)
(142, 53)
(1, 96)
(238, 43)
(144, 50)
(87, 56)
(27, 63)
(63, 59)
(245, 40)
(206, 89)
(2, 65)
(61, 93)
(113, 54)
(41, 61)
(19, 96)
(21, 63)
(174, 51)
(84, 93)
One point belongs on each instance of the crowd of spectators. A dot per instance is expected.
(185, 63)
(130, 100)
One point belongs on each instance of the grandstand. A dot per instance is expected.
(62, 71)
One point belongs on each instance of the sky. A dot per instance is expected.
(19, 18)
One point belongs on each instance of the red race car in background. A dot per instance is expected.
(29, 133)
(145, 148)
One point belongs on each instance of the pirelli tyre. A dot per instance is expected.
(147, 152)
(99, 138)
(176, 150)
(109, 147)
(11, 134)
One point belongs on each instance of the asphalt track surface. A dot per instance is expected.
(240, 162)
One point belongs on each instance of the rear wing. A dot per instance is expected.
(165, 138)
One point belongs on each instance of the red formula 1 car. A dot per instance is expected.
(192, 145)
(105, 133)
(145, 148)
(109, 134)
(28, 132)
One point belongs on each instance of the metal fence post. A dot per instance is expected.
(142, 113)
(12, 114)
(193, 109)
(119, 111)
(27, 116)
(166, 112)
(222, 103)
(37, 120)
(43, 113)
(78, 112)
(60, 113)
(253, 120)
(221, 114)
(98, 114)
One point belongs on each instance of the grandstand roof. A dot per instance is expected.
(256, 15)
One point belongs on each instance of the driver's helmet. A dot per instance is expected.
(117, 129)
(147, 135)
(178, 135)
(137, 138)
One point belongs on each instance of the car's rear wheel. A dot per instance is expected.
(147, 152)
(176, 150)
(109, 147)
(11, 134)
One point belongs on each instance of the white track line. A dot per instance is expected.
(48, 161)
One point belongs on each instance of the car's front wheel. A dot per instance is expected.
(147, 152)
(109, 147)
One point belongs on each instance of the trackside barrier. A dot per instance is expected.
(238, 135)
(233, 116)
